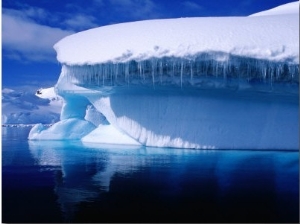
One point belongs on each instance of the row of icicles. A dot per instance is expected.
(181, 71)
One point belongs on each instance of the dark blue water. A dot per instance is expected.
(54, 181)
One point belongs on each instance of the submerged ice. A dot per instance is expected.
(192, 94)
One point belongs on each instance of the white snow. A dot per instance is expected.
(289, 8)
(107, 134)
(226, 82)
(268, 37)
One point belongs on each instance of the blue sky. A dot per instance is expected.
(30, 28)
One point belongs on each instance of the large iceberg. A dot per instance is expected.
(224, 82)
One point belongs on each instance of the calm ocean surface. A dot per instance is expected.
(56, 181)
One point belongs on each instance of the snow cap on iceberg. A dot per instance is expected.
(273, 38)
(289, 8)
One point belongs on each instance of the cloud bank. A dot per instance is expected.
(29, 32)
(24, 39)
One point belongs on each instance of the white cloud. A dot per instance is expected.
(22, 38)
(35, 12)
(28, 32)
(30, 13)
(191, 5)
(80, 22)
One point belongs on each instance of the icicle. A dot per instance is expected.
(192, 74)
(153, 71)
(173, 68)
(264, 73)
(97, 75)
(127, 72)
(116, 66)
(160, 71)
(103, 73)
(271, 77)
(139, 70)
(181, 73)
(143, 70)
(292, 71)
(168, 69)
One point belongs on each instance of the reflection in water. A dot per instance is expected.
(213, 180)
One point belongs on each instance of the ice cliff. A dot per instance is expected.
(225, 82)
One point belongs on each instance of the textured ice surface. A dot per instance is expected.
(65, 129)
(108, 134)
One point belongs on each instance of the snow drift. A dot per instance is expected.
(226, 82)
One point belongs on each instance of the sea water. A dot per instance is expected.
(68, 181)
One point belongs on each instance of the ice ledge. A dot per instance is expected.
(264, 37)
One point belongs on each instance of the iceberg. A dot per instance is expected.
(224, 82)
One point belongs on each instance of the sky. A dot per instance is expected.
(30, 28)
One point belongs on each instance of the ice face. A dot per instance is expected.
(211, 101)
(183, 116)
(204, 118)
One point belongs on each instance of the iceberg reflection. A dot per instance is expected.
(90, 172)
